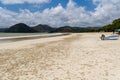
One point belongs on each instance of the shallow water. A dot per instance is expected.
(19, 34)
(12, 37)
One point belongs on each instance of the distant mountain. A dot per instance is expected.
(23, 28)
(75, 29)
(3, 29)
(111, 27)
(64, 29)
(20, 28)
(43, 28)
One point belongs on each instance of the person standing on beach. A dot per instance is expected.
(113, 31)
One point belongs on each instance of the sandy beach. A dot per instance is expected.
(79, 56)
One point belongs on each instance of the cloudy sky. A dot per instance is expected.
(56, 13)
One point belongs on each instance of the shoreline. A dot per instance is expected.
(29, 37)
(31, 41)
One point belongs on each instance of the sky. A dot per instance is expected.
(57, 13)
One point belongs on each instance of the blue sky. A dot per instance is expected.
(88, 4)
(57, 13)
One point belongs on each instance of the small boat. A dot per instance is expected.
(112, 37)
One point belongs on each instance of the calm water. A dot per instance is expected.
(11, 37)
(19, 34)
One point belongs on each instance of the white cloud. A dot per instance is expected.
(73, 15)
(7, 17)
(23, 1)
(106, 11)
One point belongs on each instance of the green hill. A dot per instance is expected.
(3, 29)
(76, 29)
(23, 28)
(43, 28)
(20, 28)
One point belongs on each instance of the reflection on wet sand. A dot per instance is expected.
(19, 38)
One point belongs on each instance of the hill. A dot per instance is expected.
(76, 29)
(23, 28)
(111, 27)
(3, 29)
(43, 28)
(20, 28)
(64, 29)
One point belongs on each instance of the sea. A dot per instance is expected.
(12, 37)
(19, 34)
(8, 37)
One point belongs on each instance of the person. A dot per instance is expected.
(102, 37)
(113, 32)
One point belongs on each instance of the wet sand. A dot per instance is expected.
(72, 57)
(28, 37)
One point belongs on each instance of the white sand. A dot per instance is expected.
(73, 57)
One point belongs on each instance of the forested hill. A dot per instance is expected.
(111, 27)
(23, 28)
(20, 28)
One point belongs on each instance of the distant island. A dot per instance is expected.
(23, 28)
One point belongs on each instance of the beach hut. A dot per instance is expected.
(118, 31)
